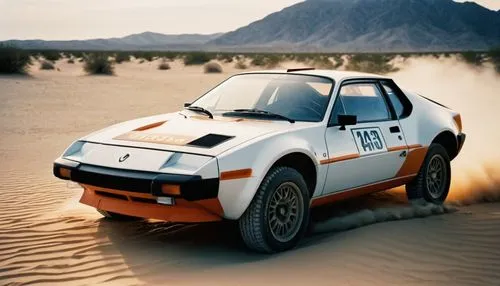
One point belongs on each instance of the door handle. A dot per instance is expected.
(395, 129)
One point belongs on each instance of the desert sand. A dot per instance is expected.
(47, 237)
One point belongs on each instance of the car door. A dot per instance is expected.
(372, 150)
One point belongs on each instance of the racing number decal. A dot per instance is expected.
(369, 140)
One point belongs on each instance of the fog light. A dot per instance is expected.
(65, 173)
(173, 190)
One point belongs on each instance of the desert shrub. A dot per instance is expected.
(301, 58)
(240, 64)
(77, 54)
(196, 58)
(167, 55)
(339, 61)
(212, 67)
(268, 61)
(51, 56)
(226, 58)
(494, 55)
(46, 65)
(146, 56)
(371, 63)
(71, 61)
(13, 60)
(142, 61)
(163, 65)
(98, 64)
(472, 58)
(322, 62)
(258, 61)
(273, 61)
(122, 57)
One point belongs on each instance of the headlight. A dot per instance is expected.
(74, 148)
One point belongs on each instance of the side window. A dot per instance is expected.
(338, 109)
(365, 101)
(396, 102)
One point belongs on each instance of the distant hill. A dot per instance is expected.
(143, 41)
(372, 25)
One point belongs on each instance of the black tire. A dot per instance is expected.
(116, 216)
(424, 188)
(269, 207)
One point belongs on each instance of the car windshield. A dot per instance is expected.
(288, 96)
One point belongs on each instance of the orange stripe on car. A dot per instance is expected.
(414, 146)
(358, 191)
(236, 174)
(398, 148)
(340, 158)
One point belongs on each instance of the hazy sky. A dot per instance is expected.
(83, 19)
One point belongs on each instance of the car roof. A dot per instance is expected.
(337, 76)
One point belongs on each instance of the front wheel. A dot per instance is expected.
(278, 216)
(432, 183)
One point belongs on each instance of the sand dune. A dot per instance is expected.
(46, 237)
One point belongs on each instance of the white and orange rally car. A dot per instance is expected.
(265, 147)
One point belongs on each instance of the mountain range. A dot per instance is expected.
(142, 41)
(330, 25)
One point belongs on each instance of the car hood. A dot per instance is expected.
(195, 134)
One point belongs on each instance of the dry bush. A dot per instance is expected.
(163, 66)
(122, 57)
(371, 63)
(98, 64)
(46, 65)
(213, 67)
(13, 60)
(240, 65)
(196, 58)
(71, 61)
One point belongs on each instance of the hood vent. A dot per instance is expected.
(209, 141)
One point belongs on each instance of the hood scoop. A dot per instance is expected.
(209, 141)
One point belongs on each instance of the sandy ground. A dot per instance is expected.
(46, 237)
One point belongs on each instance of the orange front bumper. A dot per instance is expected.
(145, 206)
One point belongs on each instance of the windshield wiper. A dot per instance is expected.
(200, 109)
(255, 111)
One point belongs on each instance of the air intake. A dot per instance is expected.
(210, 140)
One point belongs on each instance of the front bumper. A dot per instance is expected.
(192, 187)
(136, 193)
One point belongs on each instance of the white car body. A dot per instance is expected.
(338, 167)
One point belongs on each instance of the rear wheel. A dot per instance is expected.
(278, 216)
(116, 216)
(432, 183)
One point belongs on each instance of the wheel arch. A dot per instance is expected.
(449, 141)
(304, 164)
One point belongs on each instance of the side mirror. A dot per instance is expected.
(344, 120)
(187, 104)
